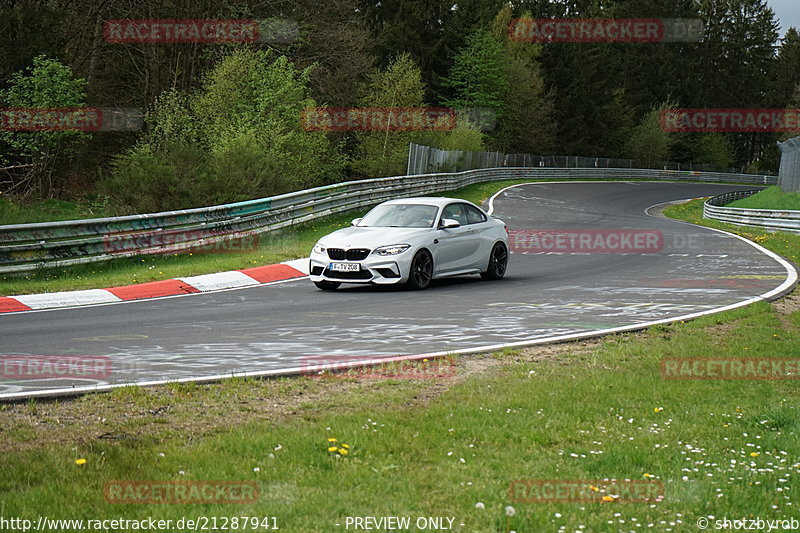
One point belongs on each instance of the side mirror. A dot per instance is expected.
(355, 221)
(449, 223)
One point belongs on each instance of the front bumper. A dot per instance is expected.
(377, 270)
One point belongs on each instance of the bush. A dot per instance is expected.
(238, 137)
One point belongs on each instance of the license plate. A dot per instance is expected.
(344, 267)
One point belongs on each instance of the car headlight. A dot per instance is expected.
(319, 249)
(392, 249)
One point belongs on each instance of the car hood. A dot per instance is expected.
(371, 237)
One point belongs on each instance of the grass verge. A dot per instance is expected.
(52, 209)
(447, 447)
(770, 198)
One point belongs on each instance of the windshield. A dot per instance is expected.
(400, 216)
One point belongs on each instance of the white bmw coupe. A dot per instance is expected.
(412, 241)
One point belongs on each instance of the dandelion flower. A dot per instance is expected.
(342, 451)
(332, 448)
(80, 462)
(480, 506)
(346, 446)
(510, 511)
(608, 498)
(657, 409)
(754, 454)
(331, 439)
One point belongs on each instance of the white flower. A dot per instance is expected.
(510, 511)
(480, 506)
(256, 469)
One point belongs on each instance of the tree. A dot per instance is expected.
(786, 69)
(465, 136)
(46, 84)
(399, 85)
(527, 125)
(649, 144)
(712, 149)
(238, 137)
(477, 77)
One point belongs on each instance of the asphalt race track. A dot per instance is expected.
(273, 328)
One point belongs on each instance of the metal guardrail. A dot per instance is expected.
(26, 247)
(769, 219)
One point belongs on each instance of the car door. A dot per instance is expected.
(456, 247)
(481, 234)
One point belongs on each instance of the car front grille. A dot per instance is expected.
(353, 254)
(361, 274)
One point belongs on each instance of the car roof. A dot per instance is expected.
(427, 200)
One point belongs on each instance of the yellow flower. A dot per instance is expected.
(593, 488)
(657, 409)
(608, 498)
(331, 440)
(726, 425)
(647, 475)
(80, 462)
(346, 446)
(332, 448)
(342, 451)
(754, 454)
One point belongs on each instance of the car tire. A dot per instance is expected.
(421, 272)
(327, 285)
(498, 262)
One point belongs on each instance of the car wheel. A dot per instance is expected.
(327, 285)
(498, 261)
(421, 270)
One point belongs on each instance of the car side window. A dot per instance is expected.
(474, 215)
(456, 212)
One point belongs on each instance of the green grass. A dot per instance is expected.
(51, 210)
(784, 244)
(586, 416)
(770, 198)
